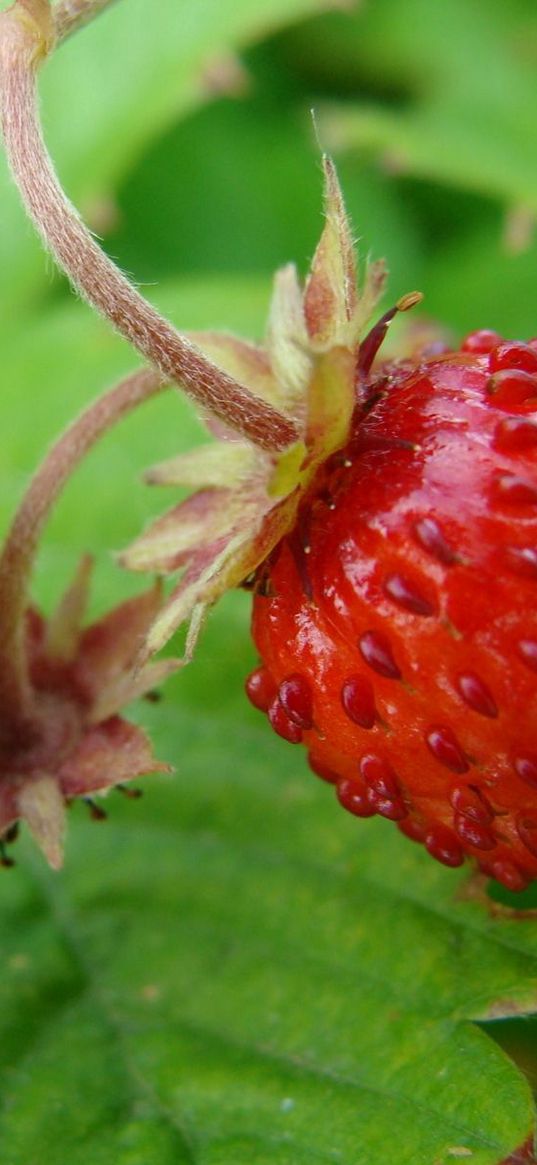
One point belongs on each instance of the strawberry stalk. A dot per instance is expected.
(26, 37)
(18, 553)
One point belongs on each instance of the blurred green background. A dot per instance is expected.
(430, 111)
(188, 142)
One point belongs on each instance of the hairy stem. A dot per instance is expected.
(70, 15)
(18, 552)
(91, 271)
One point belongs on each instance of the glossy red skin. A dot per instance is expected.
(453, 610)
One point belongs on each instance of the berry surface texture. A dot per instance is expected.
(396, 623)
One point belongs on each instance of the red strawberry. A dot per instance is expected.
(392, 547)
(397, 622)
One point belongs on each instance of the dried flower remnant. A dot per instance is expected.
(62, 685)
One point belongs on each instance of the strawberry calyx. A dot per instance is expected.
(246, 498)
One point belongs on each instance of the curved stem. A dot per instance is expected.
(91, 271)
(70, 15)
(18, 552)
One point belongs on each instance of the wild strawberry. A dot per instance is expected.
(392, 550)
(397, 623)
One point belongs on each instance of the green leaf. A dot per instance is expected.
(259, 172)
(173, 52)
(451, 99)
(474, 154)
(234, 971)
(236, 962)
(474, 282)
